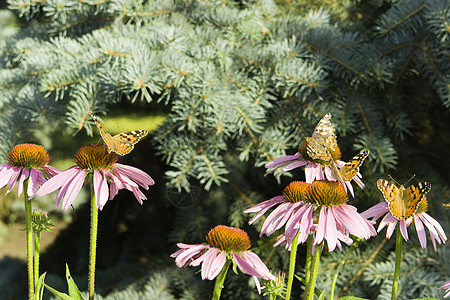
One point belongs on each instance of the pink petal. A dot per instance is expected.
(13, 179)
(57, 181)
(139, 176)
(100, 189)
(187, 253)
(23, 176)
(217, 266)
(251, 264)
(6, 172)
(420, 232)
(73, 189)
(403, 229)
(320, 233)
(33, 182)
(330, 231)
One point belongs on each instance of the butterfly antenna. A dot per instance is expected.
(410, 179)
(393, 180)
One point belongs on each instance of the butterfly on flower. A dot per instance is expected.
(323, 140)
(350, 169)
(322, 145)
(121, 143)
(403, 202)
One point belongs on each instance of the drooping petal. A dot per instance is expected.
(187, 253)
(403, 229)
(277, 218)
(13, 179)
(208, 259)
(100, 189)
(23, 176)
(33, 182)
(6, 172)
(57, 181)
(73, 189)
(420, 232)
(251, 264)
(320, 233)
(139, 176)
(262, 207)
(217, 265)
(330, 230)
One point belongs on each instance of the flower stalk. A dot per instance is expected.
(220, 280)
(315, 269)
(292, 258)
(29, 233)
(341, 264)
(398, 260)
(92, 244)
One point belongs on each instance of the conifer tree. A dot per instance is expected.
(243, 83)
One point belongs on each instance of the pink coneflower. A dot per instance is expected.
(420, 218)
(446, 287)
(319, 208)
(224, 244)
(95, 160)
(26, 161)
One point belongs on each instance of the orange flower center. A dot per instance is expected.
(228, 239)
(95, 156)
(28, 156)
(324, 192)
(295, 191)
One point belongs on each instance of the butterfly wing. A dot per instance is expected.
(349, 170)
(411, 199)
(322, 139)
(123, 143)
(389, 190)
(403, 203)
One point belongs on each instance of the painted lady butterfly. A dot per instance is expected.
(403, 202)
(322, 139)
(349, 170)
(121, 143)
(323, 142)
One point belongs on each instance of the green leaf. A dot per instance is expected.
(58, 294)
(351, 298)
(74, 292)
(40, 287)
(73, 288)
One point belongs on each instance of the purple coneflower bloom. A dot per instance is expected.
(26, 161)
(446, 287)
(420, 218)
(224, 243)
(95, 160)
(319, 208)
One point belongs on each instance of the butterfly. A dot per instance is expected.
(403, 202)
(322, 140)
(349, 170)
(121, 143)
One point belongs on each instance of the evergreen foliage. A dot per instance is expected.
(244, 82)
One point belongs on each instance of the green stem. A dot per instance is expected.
(220, 280)
(398, 260)
(315, 268)
(29, 233)
(92, 244)
(37, 246)
(292, 258)
(341, 264)
(309, 247)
